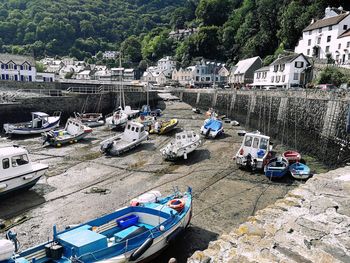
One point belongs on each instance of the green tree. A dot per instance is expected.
(332, 75)
(213, 12)
(131, 48)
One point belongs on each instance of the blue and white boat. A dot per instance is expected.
(276, 168)
(212, 127)
(131, 234)
(41, 122)
(299, 170)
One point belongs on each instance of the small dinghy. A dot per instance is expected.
(234, 123)
(212, 128)
(91, 119)
(184, 143)
(255, 151)
(299, 170)
(276, 168)
(162, 127)
(130, 234)
(41, 122)
(73, 132)
(134, 134)
(292, 156)
(17, 171)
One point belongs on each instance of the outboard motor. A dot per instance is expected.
(106, 147)
(12, 236)
(208, 132)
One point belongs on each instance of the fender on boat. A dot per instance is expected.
(173, 235)
(142, 249)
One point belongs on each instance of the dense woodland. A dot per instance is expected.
(228, 29)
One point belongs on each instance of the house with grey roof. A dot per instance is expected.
(17, 67)
(244, 71)
(327, 37)
(285, 72)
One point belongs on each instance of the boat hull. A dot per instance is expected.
(56, 142)
(21, 182)
(299, 171)
(119, 146)
(28, 131)
(170, 154)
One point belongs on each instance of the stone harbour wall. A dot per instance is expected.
(310, 224)
(312, 122)
(105, 103)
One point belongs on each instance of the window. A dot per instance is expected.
(275, 68)
(345, 27)
(207, 78)
(19, 160)
(320, 30)
(10, 66)
(248, 141)
(348, 44)
(339, 46)
(327, 49)
(308, 52)
(142, 129)
(296, 76)
(299, 64)
(272, 78)
(330, 28)
(310, 32)
(197, 71)
(129, 127)
(329, 38)
(263, 143)
(278, 78)
(256, 143)
(282, 67)
(283, 78)
(318, 40)
(137, 129)
(6, 163)
(309, 42)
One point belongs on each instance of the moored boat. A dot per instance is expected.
(212, 128)
(276, 168)
(184, 143)
(41, 122)
(120, 117)
(74, 131)
(254, 152)
(133, 135)
(91, 119)
(130, 234)
(17, 171)
(299, 170)
(164, 126)
(292, 156)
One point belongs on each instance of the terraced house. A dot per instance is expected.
(328, 37)
(17, 68)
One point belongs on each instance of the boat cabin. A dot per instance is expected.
(257, 146)
(40, 119)
(133, 131)
(14, 160)
(185, 137)
(74, 127)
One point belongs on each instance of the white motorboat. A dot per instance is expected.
(17, 171)
(134, 134)
(212, 128)
(91, 119)
(74, 131)
(41, 122)
(184, 143)
(254, 152)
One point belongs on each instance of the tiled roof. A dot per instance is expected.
(326, 22)
(345, 34)
(285, 59)
(244, 65)
(18, 59)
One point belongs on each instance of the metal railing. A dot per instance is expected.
(103, 89)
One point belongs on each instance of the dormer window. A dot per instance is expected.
(275, 68)
(282, 67)
(11, 65)
(320, 30)
(299, 64)
(345, 27)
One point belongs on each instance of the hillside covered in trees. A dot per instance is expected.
(227, 29)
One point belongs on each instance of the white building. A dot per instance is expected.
(244, 71)
(154, 77)
(166, 65)
(129, 74)
(84, 75)
(17, 68)
(329, 35)
(203, 74)
(110, 54)
(284, 72)
(45, 77)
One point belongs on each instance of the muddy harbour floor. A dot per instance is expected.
(81, 184)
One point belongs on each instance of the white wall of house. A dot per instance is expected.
(10, 70)
(326, 39)
(166, 65)
(45, 77)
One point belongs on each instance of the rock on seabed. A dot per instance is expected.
(310, 224)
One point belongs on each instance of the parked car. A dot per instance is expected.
(326, 87)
